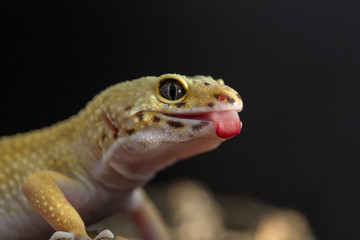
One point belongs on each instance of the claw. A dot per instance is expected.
(104, 234)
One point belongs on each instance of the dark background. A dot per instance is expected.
(295, 63)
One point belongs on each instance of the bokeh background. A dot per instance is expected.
(295, 64)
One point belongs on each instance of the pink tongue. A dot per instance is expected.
(228, 123)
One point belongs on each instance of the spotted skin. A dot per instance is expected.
(199, 126)
(93, 164)
(175, 124)
(180, 104)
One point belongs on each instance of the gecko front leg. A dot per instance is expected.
(46, 192)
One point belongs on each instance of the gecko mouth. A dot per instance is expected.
(228, 123)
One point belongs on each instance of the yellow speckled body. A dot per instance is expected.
(80, 168)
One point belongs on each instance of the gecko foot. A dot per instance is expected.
(65, 235)
(104, 234)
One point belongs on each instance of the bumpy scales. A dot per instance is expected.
(93, 165)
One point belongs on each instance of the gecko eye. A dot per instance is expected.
(171, 89)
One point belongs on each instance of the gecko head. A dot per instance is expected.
(173, 108)
(169, 117)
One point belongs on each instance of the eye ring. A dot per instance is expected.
(172, 88)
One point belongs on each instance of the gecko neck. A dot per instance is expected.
(137, 168)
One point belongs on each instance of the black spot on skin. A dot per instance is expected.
(238, 96)
(175, 124)
(115, 135)
(116, 129)
(211, 104)
(103, 136)
(207, 84)
(230, 99)
(127, 108)
(199, 126)
(156, 119)
(130, 131)
(140, 116)
(180, 104)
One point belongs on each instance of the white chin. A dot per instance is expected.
(195, 146)
(143, 166)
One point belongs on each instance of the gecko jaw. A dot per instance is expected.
(227, 122)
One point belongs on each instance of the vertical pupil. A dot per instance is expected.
(172, 91)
